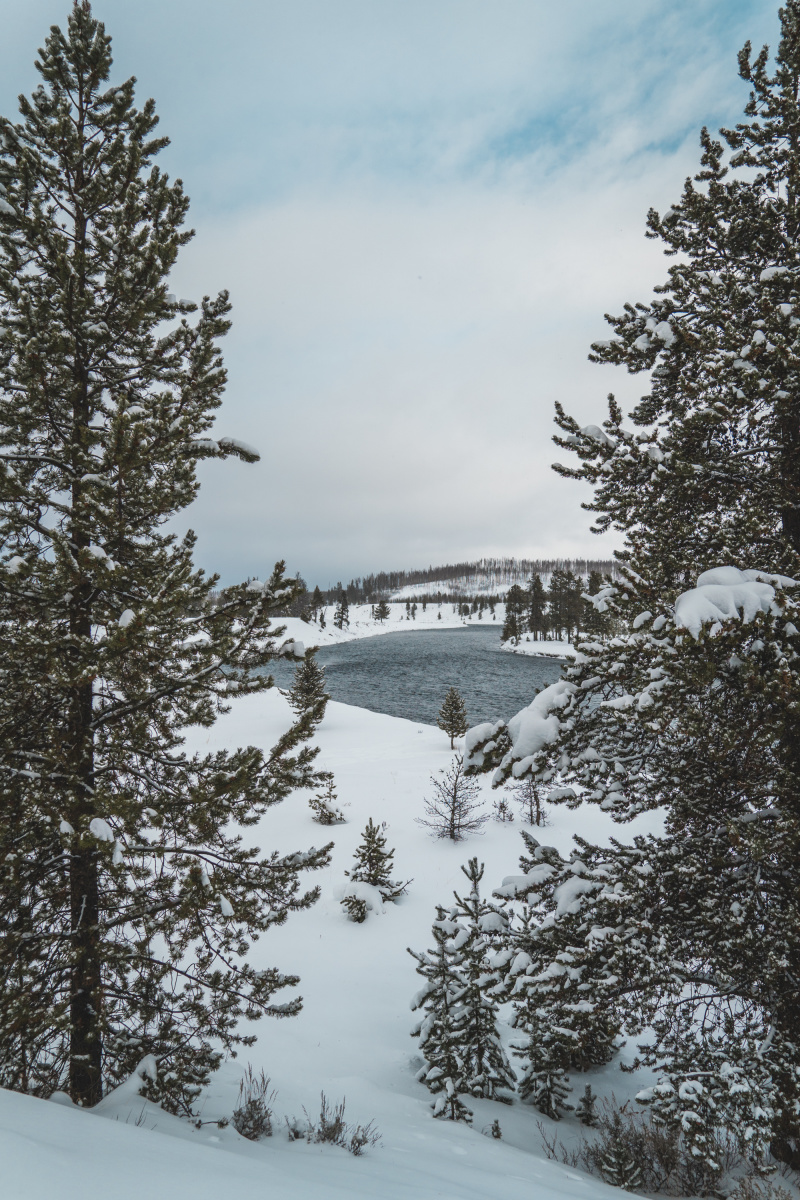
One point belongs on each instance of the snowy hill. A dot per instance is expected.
(352, 1038)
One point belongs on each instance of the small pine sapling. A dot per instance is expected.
(586, 1108)
(618, 1166)
(454, 810)
(356, 908)
(502, 810)
(453, 716)
(373, 863)
(324, 807)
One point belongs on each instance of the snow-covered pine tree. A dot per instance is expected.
(481, 924)
(454, 810)
(566, 1029)
(127, 904)
(618, 1165)
(695, 705)
(382, 611)
(453, 716)
(373, 863)
(324, 804)
(586, 1108)
(444, 1070)
(307, 694)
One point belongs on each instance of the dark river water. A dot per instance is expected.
(408, 674)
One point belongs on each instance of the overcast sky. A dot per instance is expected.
(422, 209)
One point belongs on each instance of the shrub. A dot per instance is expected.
(331, 1127)
(252, 1117)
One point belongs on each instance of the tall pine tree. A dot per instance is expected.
(127, 902)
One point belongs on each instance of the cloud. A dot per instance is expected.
(422, 211)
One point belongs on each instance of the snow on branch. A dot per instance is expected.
(726, 592)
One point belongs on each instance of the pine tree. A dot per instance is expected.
(307, 695)
(694, 706)
(618, 1165)
(453, 716)
(324, 805)
(586, 1108)
(382, 611)
(373, 863)
(454, 810)
(486, 1067)
(341, 616)
(127, 904)
(502, 810)
(317, 601)
(443, 1072)
(537, 608)
(515, 618)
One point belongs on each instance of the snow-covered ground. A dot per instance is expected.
(353, 1037)
(363, 625)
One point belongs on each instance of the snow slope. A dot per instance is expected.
(352, 1038)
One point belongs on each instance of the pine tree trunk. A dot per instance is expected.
(86, 1048)
(86, 1045)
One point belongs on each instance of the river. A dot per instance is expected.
(408, 674)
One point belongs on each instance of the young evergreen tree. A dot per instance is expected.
(382, 611)
(586, 1108)
(444, 1071)
(453, 716)
(486, 1067)
(307, 695)
(454, 810)
(694, 707)
(618, 1166)
(324, 805)
(373, 863)
(126, 901)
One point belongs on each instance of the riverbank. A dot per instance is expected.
(434, 617)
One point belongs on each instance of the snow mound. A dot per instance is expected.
(725, 593)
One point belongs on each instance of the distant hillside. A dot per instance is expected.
(488, 576)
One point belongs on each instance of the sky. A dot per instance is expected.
(422, 210)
